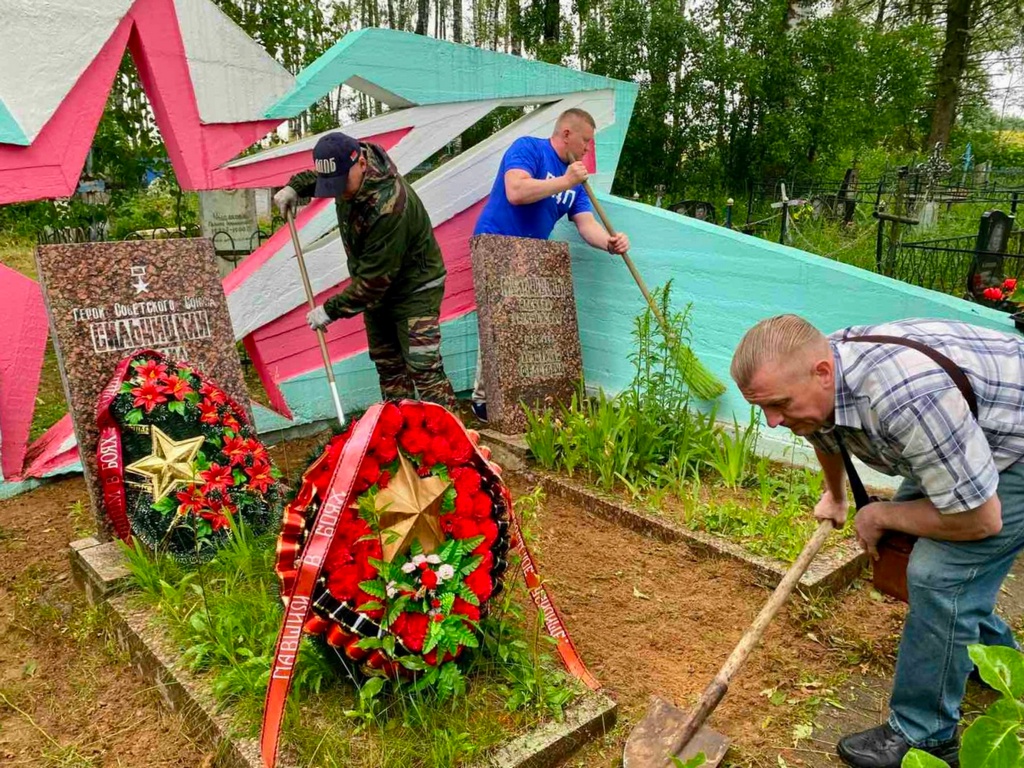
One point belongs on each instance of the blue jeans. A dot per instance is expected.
(952, 588)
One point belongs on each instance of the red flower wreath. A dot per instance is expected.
(428, 590)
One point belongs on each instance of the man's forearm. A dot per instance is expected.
(921, 518)
(526, 190)
(591, 231)
(834, 471)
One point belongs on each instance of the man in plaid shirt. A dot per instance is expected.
(900, 412)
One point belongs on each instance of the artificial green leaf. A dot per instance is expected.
(990, 743)
(176, 406)
(127, 387)
(375, 588)
(1000, 667)
(134, 416)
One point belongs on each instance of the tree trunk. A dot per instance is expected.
(457, 21)
(422, 16)
(513, 13)
(552, 19)
(951, 69)
(880, 18)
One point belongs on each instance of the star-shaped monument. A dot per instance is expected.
(169, 463)
(409, 509)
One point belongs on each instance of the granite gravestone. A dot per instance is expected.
(987, 266)
(228, 218)
(106, 300)
(526, 314)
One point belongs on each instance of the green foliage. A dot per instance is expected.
(992, 740)
(694, 762)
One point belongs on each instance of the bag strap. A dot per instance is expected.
(955, 372)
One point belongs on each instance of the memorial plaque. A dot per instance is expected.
(228, 218)
(526, 312)
(106, 300)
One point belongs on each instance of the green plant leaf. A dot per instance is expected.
(1007, 710)
(990, 743)
(1000, 667)
(918, 758)
(134, 416)
(694, 762)
(176, 406)
(375, 588)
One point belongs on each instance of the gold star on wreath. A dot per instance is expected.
(410, 508)
(169, 463)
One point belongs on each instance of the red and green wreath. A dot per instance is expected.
(178, 459)
(396, 595)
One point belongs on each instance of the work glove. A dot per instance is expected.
(318, 319)
(287, 199)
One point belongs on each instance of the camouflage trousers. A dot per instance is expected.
(405, 345)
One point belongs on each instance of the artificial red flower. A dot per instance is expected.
(412, 416)
(466, 481)
(435, 420)
(217, 519)
(462, 448)
(447, 522)
(489, 530)
(429, 579)
(340, 554)
(414, 631)
(483, 506)
(479, 581)
(1010, 284)
(438, 617)
(216, 478)
(257, 449)
(343, 582)
(177, 387)
(236, 450)
(463, 504)
(468, 610)
(440, 450)
(465, 528)
(230, 422)
(191, 500)
(213, 394)
(362, 598)
(992, 293)
(208, 413)
(391, 420)
(414, 440)
(151, 370)
(369, 471)
(386, 449)
(149, 395)
(260, 478)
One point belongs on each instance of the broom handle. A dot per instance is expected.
(714, 693)
(669, 336)
(320, 336)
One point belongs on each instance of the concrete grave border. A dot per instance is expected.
(99, 570)
(830, 572)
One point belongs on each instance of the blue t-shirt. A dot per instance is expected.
(538, 158)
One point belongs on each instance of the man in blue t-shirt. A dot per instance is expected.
(536, 185)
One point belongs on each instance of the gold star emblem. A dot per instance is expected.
(169, 463)
(410, 509)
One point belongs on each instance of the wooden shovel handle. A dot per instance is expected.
(669, 335)
(714, 693)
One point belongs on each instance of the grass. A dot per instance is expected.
(652, 443)
(225, 617)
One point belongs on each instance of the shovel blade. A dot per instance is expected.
(651, 739)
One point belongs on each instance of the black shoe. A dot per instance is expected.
(882, 747)
(480, 411)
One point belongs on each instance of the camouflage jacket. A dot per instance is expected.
(387, 235)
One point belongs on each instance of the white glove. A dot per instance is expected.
(286, 199)
(318, 319)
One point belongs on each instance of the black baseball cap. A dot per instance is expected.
(334, 155)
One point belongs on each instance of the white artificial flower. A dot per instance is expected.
(445, 572)
(433, 559)
(417, 559)
(392, 589)
(408, 568)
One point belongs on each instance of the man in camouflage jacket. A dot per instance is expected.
(393, 260)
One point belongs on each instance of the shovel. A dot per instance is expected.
(667, 731)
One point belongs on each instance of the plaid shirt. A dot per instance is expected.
(900, 413)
